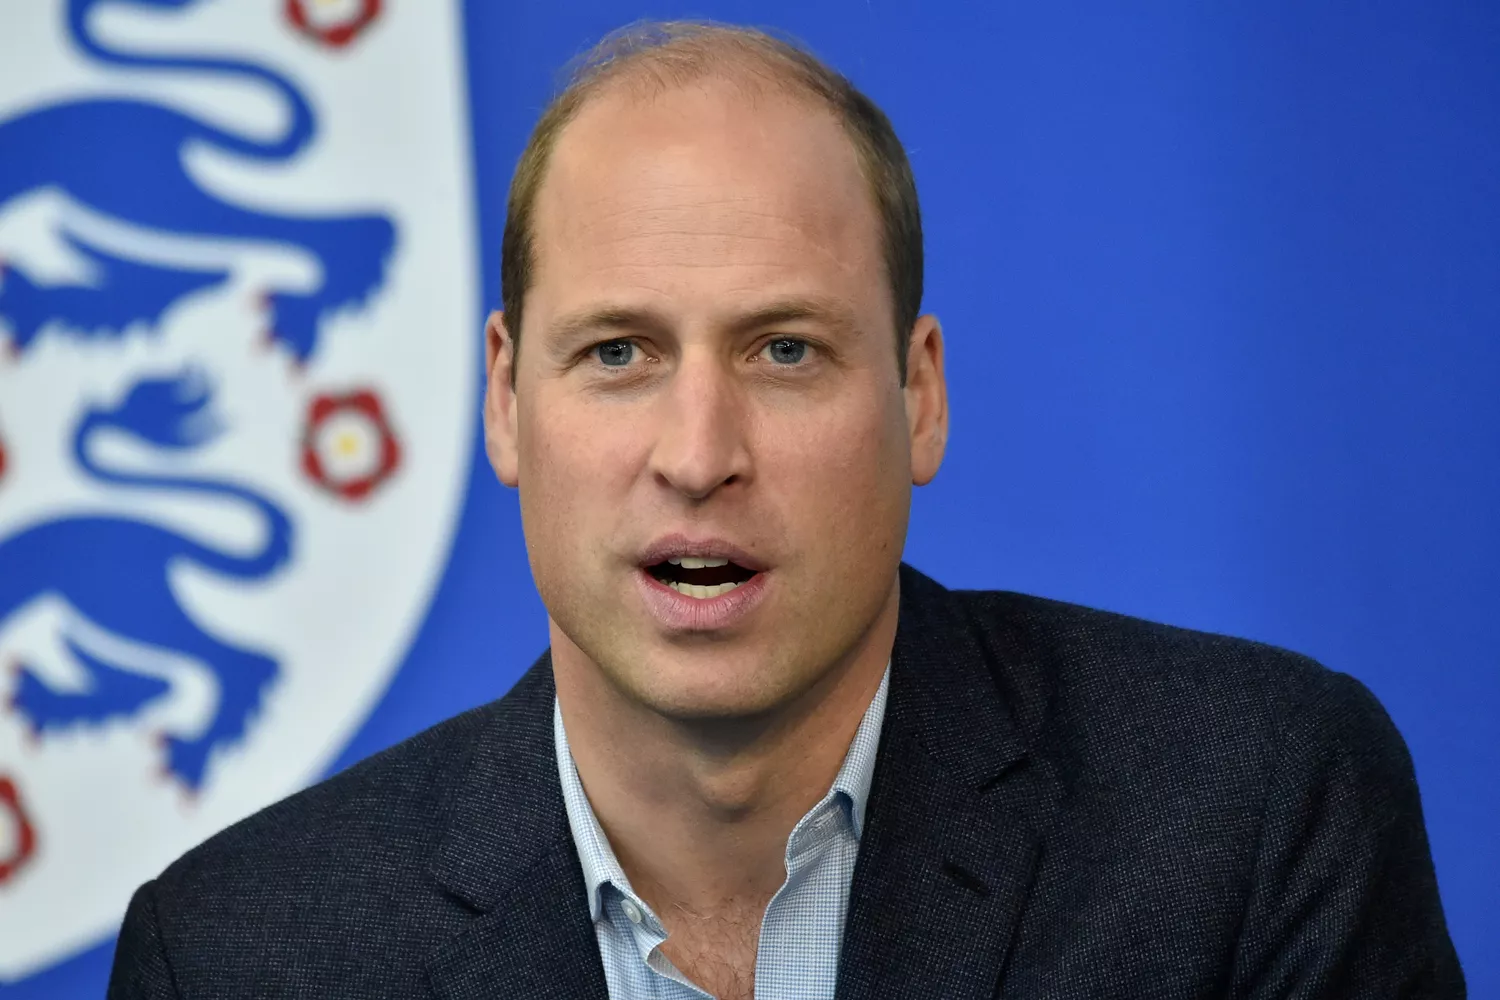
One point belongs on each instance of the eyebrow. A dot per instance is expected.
(563, 331)
(830, 312)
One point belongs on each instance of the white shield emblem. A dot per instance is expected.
(237, 386)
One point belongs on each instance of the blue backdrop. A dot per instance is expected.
(1221, 289)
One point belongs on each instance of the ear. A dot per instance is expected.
(926, 399)
(500, 400)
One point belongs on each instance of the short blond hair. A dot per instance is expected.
(660, 55)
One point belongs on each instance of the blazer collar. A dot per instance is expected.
(506, 854)
(953, 839)
(950, 839)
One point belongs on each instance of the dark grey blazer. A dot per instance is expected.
(1066, 803)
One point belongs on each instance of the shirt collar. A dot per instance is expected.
(597, 858)
(600, 866)
(858, 769)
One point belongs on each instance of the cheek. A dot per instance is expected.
(859, 435)
(848, 467)
(566, 485)
(564, 446)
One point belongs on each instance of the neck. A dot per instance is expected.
(698, 812)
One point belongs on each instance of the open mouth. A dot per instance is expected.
(700, 578)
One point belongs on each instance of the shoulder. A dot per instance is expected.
(1106, 646)
(1133, 698)
(380, 815)
(330, 890)
(1239, 801)
(370, 827)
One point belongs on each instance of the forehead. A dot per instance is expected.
(705, 193)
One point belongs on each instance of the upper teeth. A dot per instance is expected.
(694, 562)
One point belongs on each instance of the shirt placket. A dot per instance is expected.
(648, 933)
(799, 904)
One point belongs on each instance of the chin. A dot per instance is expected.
(704, 684)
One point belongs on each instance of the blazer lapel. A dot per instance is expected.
(508, 856)
(951, 845)
(537, 942)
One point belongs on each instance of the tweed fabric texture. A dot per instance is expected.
(1066, 803)
(803, 926)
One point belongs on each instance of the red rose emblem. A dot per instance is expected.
(348, 447)
(334, 23)
(17, 838)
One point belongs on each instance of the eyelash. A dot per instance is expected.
(589, 352)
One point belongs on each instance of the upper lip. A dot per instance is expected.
(677, 545)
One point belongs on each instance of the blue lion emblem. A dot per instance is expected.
(115, 571)
(124, 159)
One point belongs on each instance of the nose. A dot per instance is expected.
(701, 439)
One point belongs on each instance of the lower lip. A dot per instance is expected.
(680, 613)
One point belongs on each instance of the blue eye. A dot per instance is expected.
(799, 349)
(620, 350)
(786, 352)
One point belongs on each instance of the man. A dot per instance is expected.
(762, 757)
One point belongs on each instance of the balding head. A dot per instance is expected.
(648, 59)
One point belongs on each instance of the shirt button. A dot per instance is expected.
(632, 912)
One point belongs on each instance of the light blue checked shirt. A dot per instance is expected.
(800, 936)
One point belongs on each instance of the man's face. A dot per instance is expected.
(709, 350)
